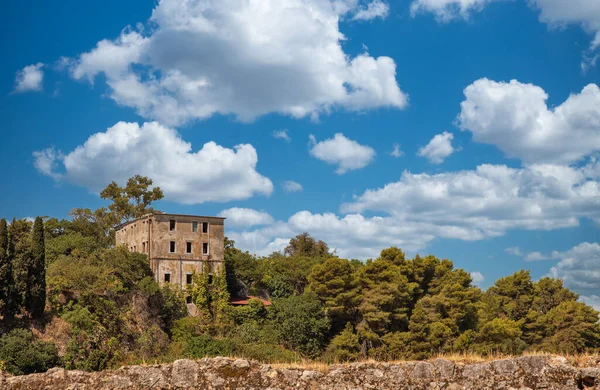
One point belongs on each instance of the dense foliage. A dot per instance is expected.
(98, 306)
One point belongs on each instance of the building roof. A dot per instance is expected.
(165, 214)
(246, 300)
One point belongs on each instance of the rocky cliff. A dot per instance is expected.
(528, 372)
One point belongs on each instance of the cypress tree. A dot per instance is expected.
(37, 287)
(5, 271)
(20, 269)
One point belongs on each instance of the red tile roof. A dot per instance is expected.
(246, 300)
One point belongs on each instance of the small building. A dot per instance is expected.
(177, 245)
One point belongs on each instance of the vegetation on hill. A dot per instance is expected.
(69, 297)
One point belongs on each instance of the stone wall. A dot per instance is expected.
(529, 372)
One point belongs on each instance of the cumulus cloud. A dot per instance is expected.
(397, 152)
(242, 217)
(578, 267)
(244, 58)
(465, 205)
(515, 117)
(373, 10)
(591, 300)
(352, 236)
(292, 186)
(490, 200)
(447, 10)
(347, 154)
(438, 148)
(513, 250)
(583, 12)
(535, 256)
(30, 78)
(477, 278)
(213, 173)
(282, 134)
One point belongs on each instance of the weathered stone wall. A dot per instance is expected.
(524, 373)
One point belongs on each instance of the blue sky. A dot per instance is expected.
(491, 173)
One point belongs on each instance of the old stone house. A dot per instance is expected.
(177, 245)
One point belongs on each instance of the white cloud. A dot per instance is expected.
(535, 256)
(477, 278)
(30, 78)
(213, 173)
(516, 118)
(447, 10)
(353, 235)
(466, 205)
(375, 9)
(578, 267)
(490, 200)
(438, 148)
(583, 12)
(397, 152)
(513, 250)
(347, 154)
(244, 58)
(282, 134)
(244, 218)
(292, 186)
(591, 300)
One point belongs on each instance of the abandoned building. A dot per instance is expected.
(177, 245)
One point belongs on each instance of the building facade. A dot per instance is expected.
(177, 245)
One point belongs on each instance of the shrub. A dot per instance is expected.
(23, 354)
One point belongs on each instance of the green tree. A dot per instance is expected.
(22, 354)
(384, 304)
(571, 327)
(6, 279)
(511, 297)
(500, 335)
(133, 200)
(304, 245)
(345, 347)
(336, 284)
(20, 253)
(37, 272)
(301, 323)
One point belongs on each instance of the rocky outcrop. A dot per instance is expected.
(523, 373)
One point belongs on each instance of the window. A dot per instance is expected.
(171, 224)
(172, 246)
(167, 278)
(144, 246)
(210, 278)
(194, 226)
(188, 247)
(188, 299)
(204, 227)
(188, 278)
(205, 248)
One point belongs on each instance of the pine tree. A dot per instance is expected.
(5, 271)
(37, 287)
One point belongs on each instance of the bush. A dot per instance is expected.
(22, 354)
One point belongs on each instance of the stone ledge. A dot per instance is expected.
(523, 373)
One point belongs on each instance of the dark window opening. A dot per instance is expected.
(204, 227)
(188, 279)
(171, 224)
(172, 247)
(210, 278)
(167, 278)
(188, 247)
(205, 248)
(188, 299)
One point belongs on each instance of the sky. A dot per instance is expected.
(467, 129)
